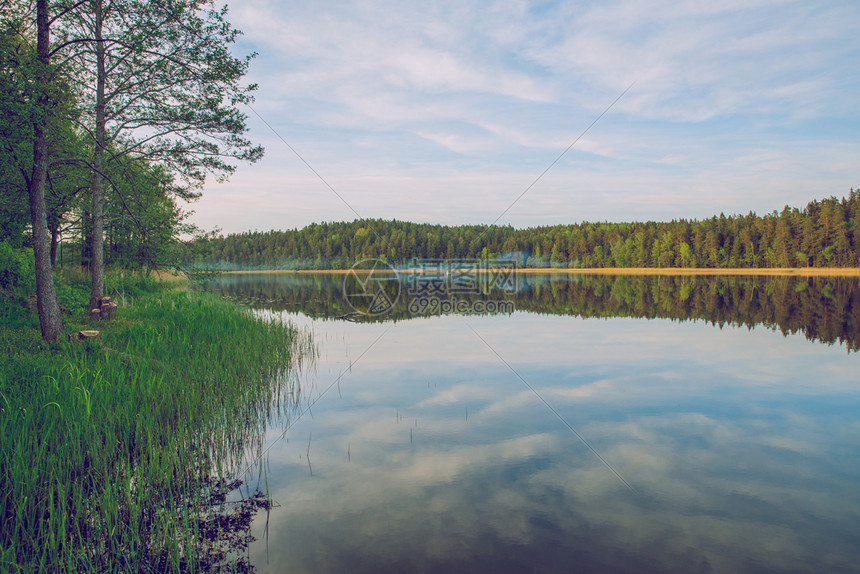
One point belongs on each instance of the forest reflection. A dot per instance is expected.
(823, 309)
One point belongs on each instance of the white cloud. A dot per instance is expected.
(436, 111)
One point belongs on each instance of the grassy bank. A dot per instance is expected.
(110, 448)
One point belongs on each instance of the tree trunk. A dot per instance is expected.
(50, 321)
(97, 184)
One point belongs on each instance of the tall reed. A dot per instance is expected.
(108, 446)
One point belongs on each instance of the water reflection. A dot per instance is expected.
(431, 455)
(825, 309)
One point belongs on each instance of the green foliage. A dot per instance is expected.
(142, 233)
(121, 284)
(73, 287)
(16, 268)
(171, 88)
(152, 89)
(18, 109)
(16, 318)
(70, 297)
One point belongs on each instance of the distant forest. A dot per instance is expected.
(825, 233)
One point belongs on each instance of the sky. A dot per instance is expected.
(448, 112)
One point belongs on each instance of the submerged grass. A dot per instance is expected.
(109, 447)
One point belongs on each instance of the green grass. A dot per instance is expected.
(107, 445)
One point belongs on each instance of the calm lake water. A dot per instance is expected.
(607, 424)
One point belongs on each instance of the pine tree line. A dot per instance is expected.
(825, 233)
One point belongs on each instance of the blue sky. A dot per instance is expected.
(445, 112)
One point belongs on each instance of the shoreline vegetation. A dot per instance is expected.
(119, 452)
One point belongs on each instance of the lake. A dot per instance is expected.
(599, 424)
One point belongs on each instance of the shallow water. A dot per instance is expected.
(571, 442)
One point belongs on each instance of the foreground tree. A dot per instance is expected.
(50, 320)
(162, 88)
(32, 92)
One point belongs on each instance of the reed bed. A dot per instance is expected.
(110, 447)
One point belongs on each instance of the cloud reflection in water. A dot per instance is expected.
(741, 445)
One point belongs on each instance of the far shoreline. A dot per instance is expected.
(769, 271)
